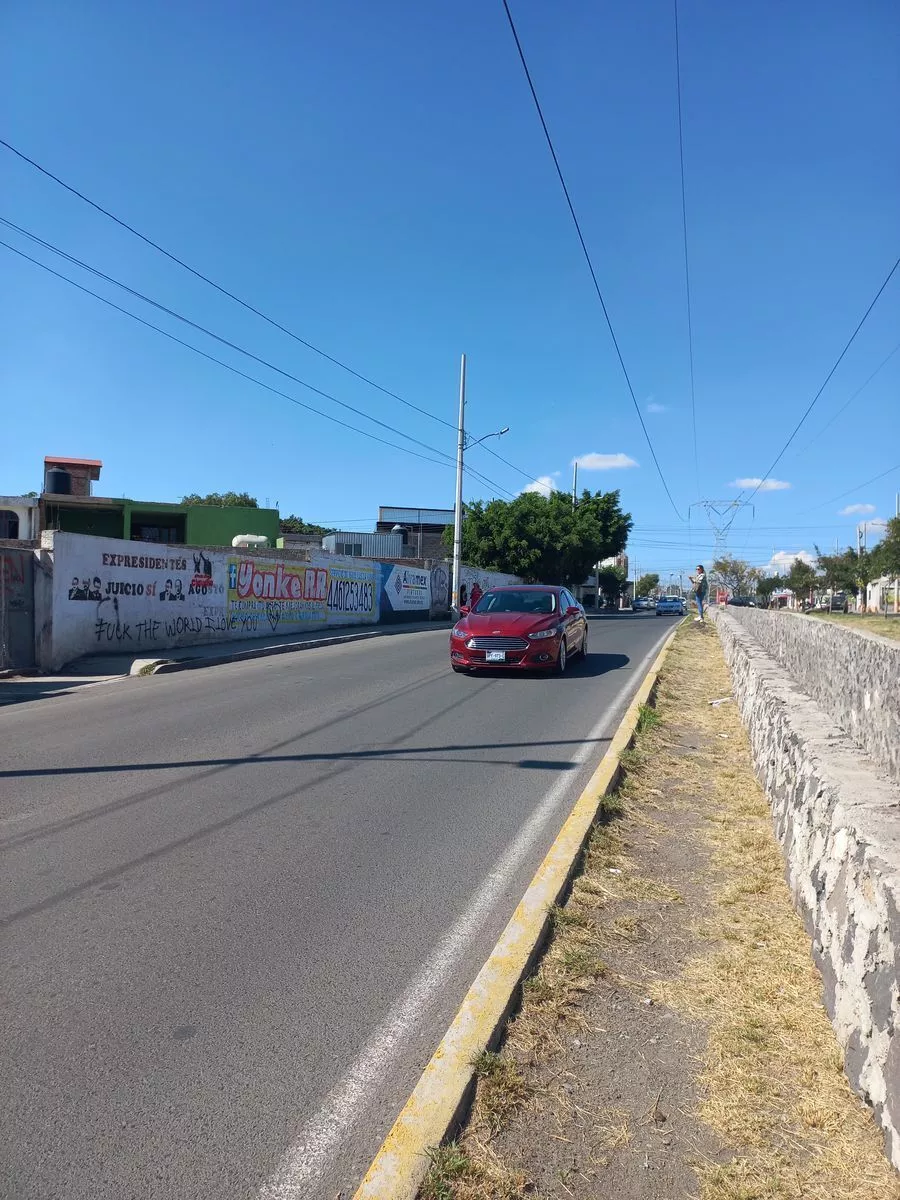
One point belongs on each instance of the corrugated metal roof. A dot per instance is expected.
(416, 516)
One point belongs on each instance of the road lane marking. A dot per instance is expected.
(320, 1139)
(439, 1097)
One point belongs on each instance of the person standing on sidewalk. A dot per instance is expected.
(700, 589)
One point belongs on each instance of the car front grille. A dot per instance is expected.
(497, 643)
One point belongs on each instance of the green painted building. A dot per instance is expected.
(145, 521)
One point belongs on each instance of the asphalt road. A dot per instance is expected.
(239, 906)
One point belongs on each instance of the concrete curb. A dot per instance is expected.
(167, 666)
(439, 1099)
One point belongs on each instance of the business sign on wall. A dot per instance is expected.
(288, 595)
(405, 592)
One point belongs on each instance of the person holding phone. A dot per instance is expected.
(700, 589)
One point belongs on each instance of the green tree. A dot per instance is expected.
(646, 585)
(543, 539)
(222, 500)
(801, 578)
(612, 583)
(867, 565)
(735, 575)
(767, 585)
(889, 548)
(294, 524)
(838, 570)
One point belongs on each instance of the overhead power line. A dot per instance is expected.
(859, 487)
(215, 336)
(243, 374)
(884, 362)
(245, 304)
(684, 229)
(219, 287)
(584, 250)
(827, 380)
(234, 346)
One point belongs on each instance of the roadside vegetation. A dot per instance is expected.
(887, 626)
(672, 1040)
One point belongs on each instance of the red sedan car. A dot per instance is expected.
(520, 628)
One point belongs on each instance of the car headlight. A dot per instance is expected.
(458, 632)
(542, 633)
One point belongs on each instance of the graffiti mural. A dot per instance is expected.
(474, 582)
(440, 588)
(108, 598)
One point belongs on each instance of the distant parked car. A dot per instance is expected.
(743, 601)
(670, 606)
(839, 603)
(643, 604)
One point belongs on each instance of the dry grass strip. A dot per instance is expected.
(771, 1089)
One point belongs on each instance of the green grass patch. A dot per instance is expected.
(648, 718)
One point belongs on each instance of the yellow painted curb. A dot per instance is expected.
(437, 1099)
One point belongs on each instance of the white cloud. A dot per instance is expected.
(543, 485)
(604, 462)
(856, 510)
(763, 485)
(782, 561)
(655, 408)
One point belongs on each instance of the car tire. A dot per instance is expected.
(562, 658)
(459, 670)
(584, 645)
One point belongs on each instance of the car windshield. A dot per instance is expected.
(538, 603)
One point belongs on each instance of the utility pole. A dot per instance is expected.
(463, 442)
(457, 512)
(574, 484)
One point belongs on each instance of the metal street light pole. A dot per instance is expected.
(463, 443)
(457, 512)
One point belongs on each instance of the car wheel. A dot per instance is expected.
(584, 644)
(562, 657)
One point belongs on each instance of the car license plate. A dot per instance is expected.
(495, 656)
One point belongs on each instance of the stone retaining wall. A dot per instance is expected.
(855, 676)
(838, 819)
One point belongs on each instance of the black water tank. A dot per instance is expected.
(58, 482)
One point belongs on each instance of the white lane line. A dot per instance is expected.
(320, 1139)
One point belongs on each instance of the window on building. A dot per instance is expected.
(9, 523)
(157, 527)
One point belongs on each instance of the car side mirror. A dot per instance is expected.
(464, 610)
(573, 610)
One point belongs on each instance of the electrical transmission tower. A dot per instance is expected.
(721, 515)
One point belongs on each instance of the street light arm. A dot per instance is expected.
(477, 441)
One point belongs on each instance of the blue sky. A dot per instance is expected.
(374, 177)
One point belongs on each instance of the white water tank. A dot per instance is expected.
(255, 541)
